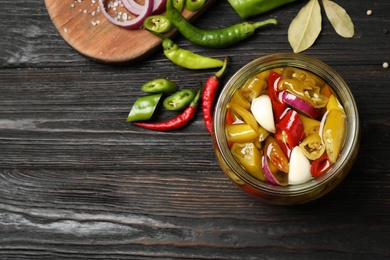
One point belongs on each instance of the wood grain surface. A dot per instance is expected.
(78, 182)
(84, 27)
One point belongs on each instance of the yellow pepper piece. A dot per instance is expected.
(333, 133)
(240, 100)
(333, 103)
(312, 146)
(305, 91)
(240, 133)
(302, 75)
(264, 75)
(249, 157)
(310, 125)
(253, 87)
(246, 116)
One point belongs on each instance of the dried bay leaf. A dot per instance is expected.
(339, 18)
(305, 27)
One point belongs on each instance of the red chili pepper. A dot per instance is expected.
(177, 122)
(289, 131)
(209, 93)
(320, 165)
(279, 107)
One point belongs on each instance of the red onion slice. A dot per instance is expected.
(267, 172)
(135, 8)
(134, 23)
(299, 104)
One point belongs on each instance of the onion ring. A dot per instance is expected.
(136, 9)
(134, 23)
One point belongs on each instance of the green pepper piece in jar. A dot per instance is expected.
(240, 133)
(143, 108)
(158, 23)
(312, 147)
(159, 85)
(249, 157)
(179, 100)
(194, 5)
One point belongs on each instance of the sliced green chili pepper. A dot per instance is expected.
(143, 108)
(194, 5)
(158, 23)
(159, 85)
(179, 4)
(185, 58)
(218, 38)
(249, 8)
(180, 100)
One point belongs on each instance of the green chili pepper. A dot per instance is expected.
(159, 85)
(158, 23)
(194, 5)
(180, 100)
(217, 38)
(179, 4)
(143, 108)
(185, 58)
(249, 8)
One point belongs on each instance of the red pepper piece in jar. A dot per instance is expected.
(289, 131)
(278, 106)
(320, 165)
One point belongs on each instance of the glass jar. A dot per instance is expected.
(292, 194)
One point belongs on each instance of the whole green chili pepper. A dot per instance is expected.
(194, 5)
(217, 38)
(158, 23)
(179, 100)
(185, 58)
(248, 8)
(143, 108)
(159, 85)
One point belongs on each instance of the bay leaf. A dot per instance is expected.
(339, 18)
(305, 27)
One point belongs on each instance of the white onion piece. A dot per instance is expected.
(267, 172)
(134, 23)
(299, 167)
(261, 109)
(135, 8)
(300, 104)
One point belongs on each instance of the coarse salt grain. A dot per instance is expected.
(369, 12)
(385, 65)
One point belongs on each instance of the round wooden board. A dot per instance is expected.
(85, 28)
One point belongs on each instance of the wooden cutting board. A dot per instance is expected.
(85, 28)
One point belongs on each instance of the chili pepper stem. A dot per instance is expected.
(265, 22)
(220, 73)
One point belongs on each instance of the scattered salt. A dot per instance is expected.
(385, 65)
(369, 12)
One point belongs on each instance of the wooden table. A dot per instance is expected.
(78, 182)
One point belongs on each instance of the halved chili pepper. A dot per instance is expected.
(177, 122)
(278, 106)
(194, 5)
(185, 58)
(143, 108)
(276, 154)
(320, 165)
(160, 85)
(217, 38)
(179, 100)
(158, 23)
(209, 94)
(289, 131)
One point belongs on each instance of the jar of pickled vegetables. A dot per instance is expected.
(286, 129)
